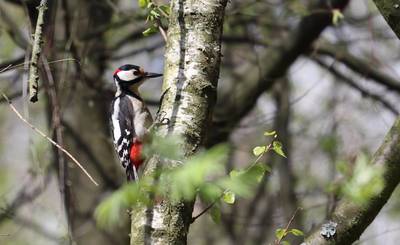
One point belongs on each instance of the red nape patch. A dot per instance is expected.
(136, 154)
(116, 71)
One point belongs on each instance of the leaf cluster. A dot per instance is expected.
(157, 15)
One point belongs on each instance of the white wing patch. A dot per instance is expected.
(115, 121)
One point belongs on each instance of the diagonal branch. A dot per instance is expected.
(357, 65)
(354, 85)
(353, 219)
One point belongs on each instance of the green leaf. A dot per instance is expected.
(229, 197)
(143, 3)
(258, 150)
(215, 213)
(165, 8)
(280, 233)
(285, 243)
(270, 133)
(277, 147)
(336, 16)
(149, 31)
(296, 232)
(258, 171)
(154, 13)
(150, 4)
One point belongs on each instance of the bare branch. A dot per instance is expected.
(354, 85)
(36, 51)
(358, 65)
(49, 139)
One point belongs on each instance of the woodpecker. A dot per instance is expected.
(130, 118)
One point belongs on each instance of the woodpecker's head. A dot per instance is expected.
(131, 76)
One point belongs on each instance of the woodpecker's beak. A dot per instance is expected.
(152, 75)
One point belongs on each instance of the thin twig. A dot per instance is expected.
(11, 66)
(206, 209)
(163, 34)
(5, 68)
(36, 50)
(49, 139)
(277, 242)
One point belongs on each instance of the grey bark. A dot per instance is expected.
(192, 61)
(353, 219)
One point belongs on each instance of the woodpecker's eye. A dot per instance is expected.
(136, 73)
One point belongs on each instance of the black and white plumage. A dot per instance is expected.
(130, 118)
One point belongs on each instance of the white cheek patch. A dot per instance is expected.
(126, 75)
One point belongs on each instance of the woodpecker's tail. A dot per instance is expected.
(131, 173)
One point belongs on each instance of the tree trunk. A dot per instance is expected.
(191, 73)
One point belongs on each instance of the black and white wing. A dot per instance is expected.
(123, 131)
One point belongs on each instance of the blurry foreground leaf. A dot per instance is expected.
(215, 213)
(185, 180)
(366, 182)
(241, 182)
(109, 212)
(165, 147)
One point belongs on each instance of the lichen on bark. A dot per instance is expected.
(36, 52)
